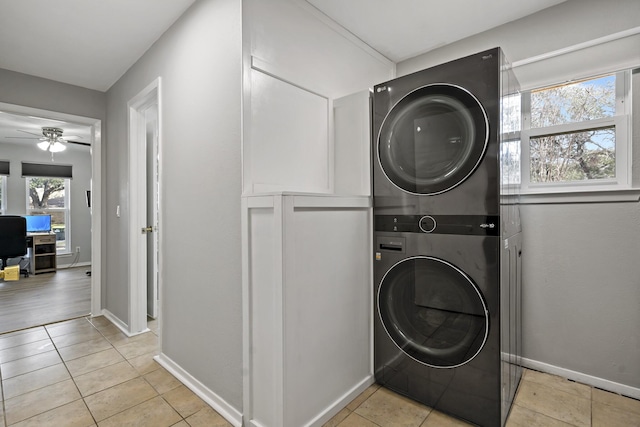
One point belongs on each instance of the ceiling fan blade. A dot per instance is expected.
(79, 143)
(30, 133)
(70, 137)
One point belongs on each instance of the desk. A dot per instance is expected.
(42, 252)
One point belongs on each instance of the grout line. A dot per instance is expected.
(64, 362)
(70, 377)
(4, 409)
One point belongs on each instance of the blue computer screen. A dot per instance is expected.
(38, 223)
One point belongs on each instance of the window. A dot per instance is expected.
(51, 196)
(3, 194)
(574, 135)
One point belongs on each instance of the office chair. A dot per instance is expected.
(13, 237)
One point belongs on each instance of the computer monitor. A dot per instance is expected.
(38, 223)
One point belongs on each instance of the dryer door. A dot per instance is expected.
(433, 312)
(433, 139)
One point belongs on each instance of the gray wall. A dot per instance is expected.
(199, 62)
(567, 24)
(80, 219)
(581, 269)
(36, 92)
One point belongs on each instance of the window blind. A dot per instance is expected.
(47, 170)
(4, 167)
(616, 52)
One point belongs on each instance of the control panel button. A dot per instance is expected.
(427, 224)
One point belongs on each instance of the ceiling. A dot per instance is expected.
(92, 43)
(401, 29)
(23, 129)
(88, 43)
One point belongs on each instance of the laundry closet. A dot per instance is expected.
(306, 220)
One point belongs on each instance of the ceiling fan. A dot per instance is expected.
(52, 139)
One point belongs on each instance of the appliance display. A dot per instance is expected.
(38, 223)
(447, 240)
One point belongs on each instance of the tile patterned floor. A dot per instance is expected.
(542, 400)
(85, 372)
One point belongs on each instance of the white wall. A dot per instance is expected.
(80, 216)
(308, 327)
(199, 62)
(295, 64)
(581, 282)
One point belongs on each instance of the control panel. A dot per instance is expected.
(481, 225)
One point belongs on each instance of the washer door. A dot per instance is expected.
(433, 139)
(433, 312)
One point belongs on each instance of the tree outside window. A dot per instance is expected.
(50, 196)
(575, 133)
(574, 156)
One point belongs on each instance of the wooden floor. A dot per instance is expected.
(44, 298)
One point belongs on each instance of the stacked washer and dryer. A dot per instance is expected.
(447, 239)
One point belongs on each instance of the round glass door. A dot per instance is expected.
(433, 139)
(433, 312)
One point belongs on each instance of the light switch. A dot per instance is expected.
(118, 211)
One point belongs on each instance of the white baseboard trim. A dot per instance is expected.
(583, 378)
(341, 402)
(120, 324)
(229, 413)
(116, 321)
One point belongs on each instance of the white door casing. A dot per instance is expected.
(138, 107)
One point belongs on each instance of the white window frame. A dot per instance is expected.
(621, 121)
(3, 194)
(66, 209)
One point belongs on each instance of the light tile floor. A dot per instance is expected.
(85, 372)
(542, 400)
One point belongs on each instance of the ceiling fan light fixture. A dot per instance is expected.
(52, 140)
(56, 147)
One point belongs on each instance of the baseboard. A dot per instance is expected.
(341, 402)
(227, 411)
(120, 324)
(583, 378)
(116, 321)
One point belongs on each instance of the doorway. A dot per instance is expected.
(87, 220)
(144, 204)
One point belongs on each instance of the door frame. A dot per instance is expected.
(96, 190)
(137, 107)
(153, 172)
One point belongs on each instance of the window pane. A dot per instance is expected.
(511, 113)
(58, 226)
(46, 193)
(574, 156)
(510, 162)
(575, 102)
(47, 196)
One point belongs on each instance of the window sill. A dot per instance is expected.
(584, 196)
(64, 253)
